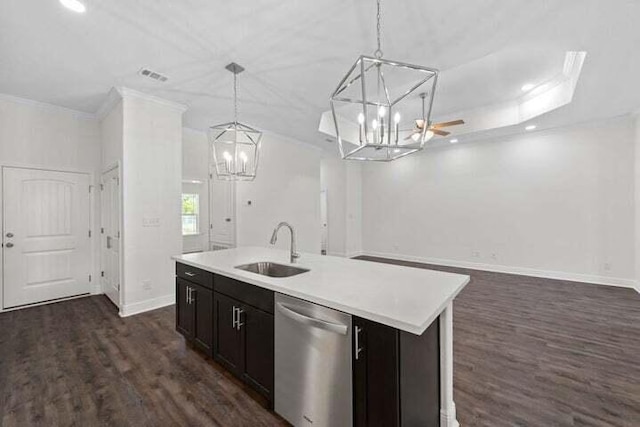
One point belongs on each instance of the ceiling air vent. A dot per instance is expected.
(145, 72)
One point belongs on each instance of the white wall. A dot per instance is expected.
(353, 228)
(342, 182)
(195, 153)
(151, 184)
(637, 198)
(556, 202)
(44, 136)
(333, 178)
(287, 188)
(41, 135)
(111, 128)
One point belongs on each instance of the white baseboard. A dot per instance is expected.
(354, 254)
(147, 305)
(521, 271)
(448, 420)
(338, 254)
(345, 254)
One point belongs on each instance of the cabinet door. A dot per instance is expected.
(257, 335)
(184, 310)
(227, 337)
(202, 303)
(375, 375)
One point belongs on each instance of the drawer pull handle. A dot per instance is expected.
(233, 319)
(190, 274)
(358, 348)
(239, 322)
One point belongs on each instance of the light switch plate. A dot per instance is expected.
(150, 222)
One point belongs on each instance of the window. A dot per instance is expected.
(190, 214)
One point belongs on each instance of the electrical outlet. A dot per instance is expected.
(494, 256)
(607, 266)
(475, 254)
(146, 284)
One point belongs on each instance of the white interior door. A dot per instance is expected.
(222, 210)
(324, 237)
(110, 235)
(46, 223)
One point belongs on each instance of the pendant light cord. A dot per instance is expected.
(235, 98)
(378, 52)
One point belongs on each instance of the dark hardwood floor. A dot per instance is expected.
(538, 352)
(528, 352)
(78, 363)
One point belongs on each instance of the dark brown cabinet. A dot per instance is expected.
(388, 364)
(202, 304)
(396, 376)
(230, 321)
(243, 342)
(227, 337)
(258, 351)
(184, 311)
(194, 312)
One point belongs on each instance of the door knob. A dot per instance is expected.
(9, 235)
(9, 245)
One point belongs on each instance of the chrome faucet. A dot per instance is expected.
(274, 238)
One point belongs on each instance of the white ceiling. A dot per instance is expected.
(296, 51)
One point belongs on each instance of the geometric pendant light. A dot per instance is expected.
(376, 104)
(235, 146)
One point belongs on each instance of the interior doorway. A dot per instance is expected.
(46, 235)
(324, 239)
(110, 234)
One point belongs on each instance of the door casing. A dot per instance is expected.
(103, 237)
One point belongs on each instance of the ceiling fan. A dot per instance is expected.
(435, 129)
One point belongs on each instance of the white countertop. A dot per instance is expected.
(406, 298)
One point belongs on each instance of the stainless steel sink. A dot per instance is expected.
(272, 269)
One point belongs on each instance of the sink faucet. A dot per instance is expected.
(274, 238)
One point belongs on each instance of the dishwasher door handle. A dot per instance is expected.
(316, 323)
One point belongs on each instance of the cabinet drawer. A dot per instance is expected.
(249, 294)
(195, 275)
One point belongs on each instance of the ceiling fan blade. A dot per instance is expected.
(446, 124)
(439, 132)
(417, 132)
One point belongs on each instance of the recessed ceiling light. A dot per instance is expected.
(527, 87)
(74, 5)
(453, 141)
(530, 127)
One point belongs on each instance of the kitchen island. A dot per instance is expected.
(410, 307)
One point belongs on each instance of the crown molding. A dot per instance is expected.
(46, 106)
(113, 97)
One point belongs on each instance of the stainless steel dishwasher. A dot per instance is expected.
(313, 380)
